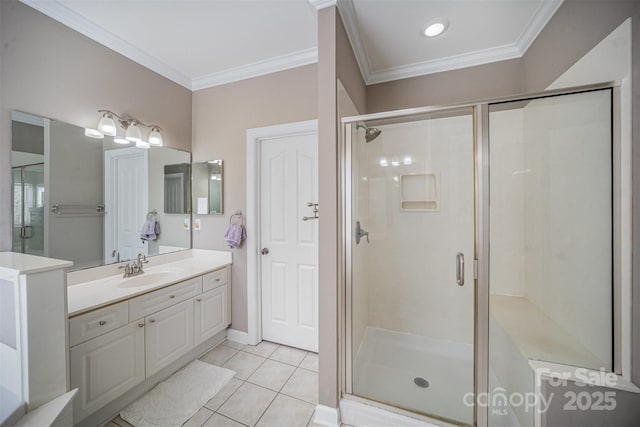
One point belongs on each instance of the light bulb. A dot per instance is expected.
(155, 138)
(142, 144)
(107, 125)
(121, 140)
(133, 132)
(92, 133)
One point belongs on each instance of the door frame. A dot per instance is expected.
(254, 138)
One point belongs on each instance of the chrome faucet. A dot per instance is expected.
(134, 268)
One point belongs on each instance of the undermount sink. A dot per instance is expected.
(146, 279)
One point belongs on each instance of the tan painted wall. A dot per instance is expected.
(221, 117)
(50, 70)
(446, 88)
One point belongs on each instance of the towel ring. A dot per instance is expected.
(237, 215)
(152, 214)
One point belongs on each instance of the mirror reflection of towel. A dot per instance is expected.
(150, 230)
(235, 234)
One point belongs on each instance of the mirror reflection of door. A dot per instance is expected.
(28, 184)
(126, 200)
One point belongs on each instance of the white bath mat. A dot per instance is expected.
(176, 399)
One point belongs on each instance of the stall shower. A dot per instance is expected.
(416, 327)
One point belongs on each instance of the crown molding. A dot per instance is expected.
(501, 53)
(449, 63)
(349, 18)
(538, 21)
(79, 23)
(268, 66)
(322, 4)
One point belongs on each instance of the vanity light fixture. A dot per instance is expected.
(107, 125)
(435, 27)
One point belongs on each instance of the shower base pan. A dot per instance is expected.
(417, 373)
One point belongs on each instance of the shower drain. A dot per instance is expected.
(421, 382)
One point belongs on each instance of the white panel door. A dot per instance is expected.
(106, 367)
(169, 335)
(289, 271)
(126, 202)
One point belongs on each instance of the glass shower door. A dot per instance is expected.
(411, 286)
(28, 209)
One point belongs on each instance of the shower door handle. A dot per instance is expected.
(460, 268)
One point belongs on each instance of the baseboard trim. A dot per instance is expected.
(327, 416)
(238, 336)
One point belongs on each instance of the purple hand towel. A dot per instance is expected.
(235, 235)
(150, 230)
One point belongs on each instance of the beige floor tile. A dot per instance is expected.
(122, 423)
(219, 355)
(310, 362)
(272, 375)
(199, 418)
(234, 345)
(264, 349)
(302, 385)
(288, 355)
(286, 411)
(223, 394)
(218, 420)
(244, 364)
(247, 404)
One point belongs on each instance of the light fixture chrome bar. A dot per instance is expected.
(126, 121)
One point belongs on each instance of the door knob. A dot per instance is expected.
(264, 251)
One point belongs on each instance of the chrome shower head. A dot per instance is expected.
(369, 133)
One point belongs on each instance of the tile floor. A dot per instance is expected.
(275, 385)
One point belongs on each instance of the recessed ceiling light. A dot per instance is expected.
(436, 27)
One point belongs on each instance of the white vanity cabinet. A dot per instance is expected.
(116, 347)
(211, 314)
(168, 336)
(105, 367)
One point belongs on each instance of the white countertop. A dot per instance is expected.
(29, 264)
(86, 296)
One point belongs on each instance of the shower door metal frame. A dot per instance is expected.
(480, 111)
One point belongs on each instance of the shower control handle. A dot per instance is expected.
(360, 233)
(460, 268)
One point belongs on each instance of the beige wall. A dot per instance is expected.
(450, 87)
(50, 70)
(221, 117)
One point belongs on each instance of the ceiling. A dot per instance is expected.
(204, 43)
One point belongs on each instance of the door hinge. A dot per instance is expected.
(475, 269)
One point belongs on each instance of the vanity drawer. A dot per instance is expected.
(90, 325)
(214, 279)
(146, 304)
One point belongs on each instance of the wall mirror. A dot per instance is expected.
(176, 188)
(208, 180)
(91, 200)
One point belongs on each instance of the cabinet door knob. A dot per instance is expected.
(152, 320)
(198, 299)
(102, 322)
(217, 279)
(172, 296)
(140, 325)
